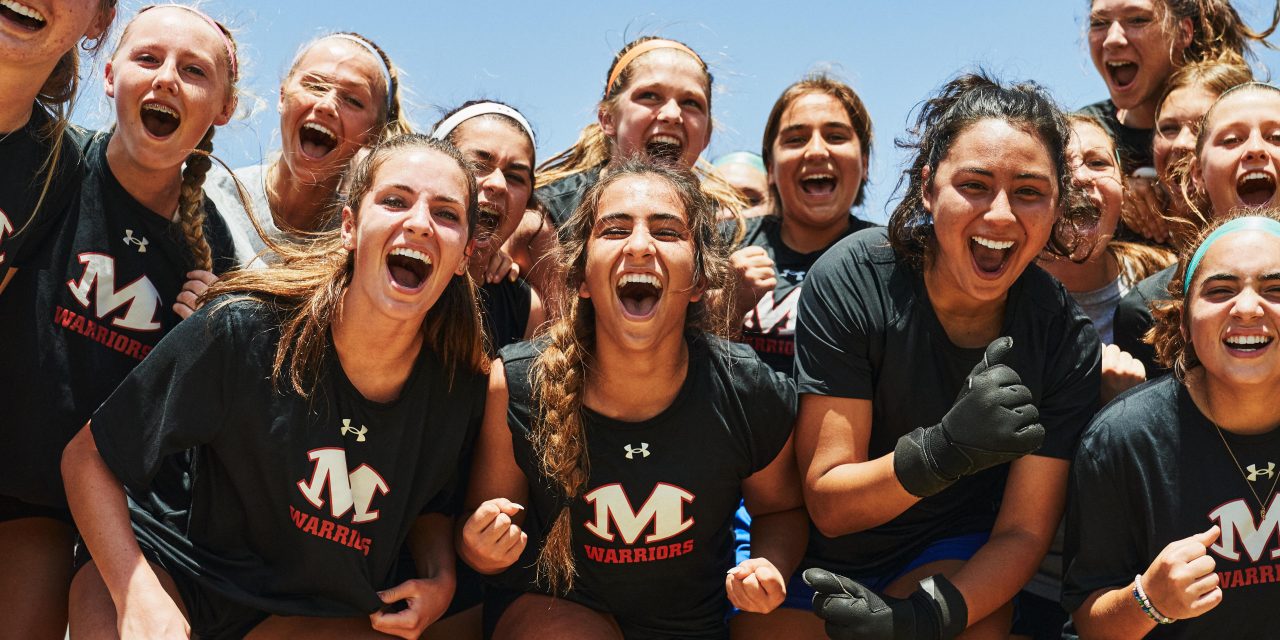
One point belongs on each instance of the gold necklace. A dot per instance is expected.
(1262, 507)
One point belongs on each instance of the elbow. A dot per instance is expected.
(75, 454)
(827, 519)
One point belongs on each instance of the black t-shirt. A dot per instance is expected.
(770, 327)
(562, 197)
(867, 330)
(23, 153)
(1134, 144)
(298, 506)
(1151, 470)
(504, 308)
(652, 532)
(1133, 318)
(77, 327)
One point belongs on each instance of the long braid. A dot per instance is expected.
(190, 216)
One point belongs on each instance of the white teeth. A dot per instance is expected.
(319, 128)
(156, 106)
(1255, 175)
(22, 10)
(819, 176)
(639, 278)
(1248, 340)
(1115, 65)
(671, 140)
(998, 245)
(411, 253)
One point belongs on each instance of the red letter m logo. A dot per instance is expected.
(346, 490)
(663, 512)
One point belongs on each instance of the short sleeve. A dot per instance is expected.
(1100, 551)
(1072, 394)
(174, 400)
(832, 329)
(771, 411)
(450, 499)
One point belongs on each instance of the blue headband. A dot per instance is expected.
(1247, 223)
(741, 157)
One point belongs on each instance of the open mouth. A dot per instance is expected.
(989, 255)
(21, 15)
(1248, 344)
(160, 120)
(639, 293)
(1122, 73)
(409, 268)
(1256, 188)
(487, 220)
(818, 184)
(664, 148)
(316, 140)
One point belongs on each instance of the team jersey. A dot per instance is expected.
(23, 154)
(769, 328)
(562, 197)
(1133, 318)
(1151, 470)
(297, 506)
(77, 327)
(652, 528)
(504, 307)
(867, 330)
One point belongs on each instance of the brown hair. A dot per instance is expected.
(559, 374)
(308, 283)
(823, 84)
(1171, 333)
(1219, 34)
(391, 118)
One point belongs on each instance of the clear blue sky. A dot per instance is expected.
(549, 58)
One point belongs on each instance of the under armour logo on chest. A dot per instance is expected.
(139, 242)
(642, 450)
(1255, 472)
(347, 428)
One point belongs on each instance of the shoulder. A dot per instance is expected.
(1047, 294)
(1156, 287)
(1104, 110)
(1135, 420)
(571, 184)
(754, 232)
(739, 366)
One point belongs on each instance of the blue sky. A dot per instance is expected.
(549, 59)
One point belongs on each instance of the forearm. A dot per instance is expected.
(1112, 615)
(780, 538)
(999, 570)
(856, 496)
(431, 543)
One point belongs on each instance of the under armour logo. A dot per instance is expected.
(1255, 473)
(141, 243)
(347, 428)
(632, 451)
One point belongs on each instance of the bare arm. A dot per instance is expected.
(779, 525)
(537, 315)
(428, 595)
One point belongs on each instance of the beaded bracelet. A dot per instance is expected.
(1145, 603)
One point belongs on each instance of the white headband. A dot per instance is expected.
(443, 129)
(382, 63)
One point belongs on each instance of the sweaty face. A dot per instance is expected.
(663, 111)
(1177, 126)
(994, 204)
(329, 107)
(640, 262)
(1091, 156)
(1131, 48)
(1234, 310)
(503, 158)
(818, 166)
(36, 33)
(410, 236)
(1240, 160)
(167, 91)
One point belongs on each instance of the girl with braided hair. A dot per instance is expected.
(631, 433)
(118, 261)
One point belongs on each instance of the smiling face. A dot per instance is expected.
(1234, 310)
(640, 266)
(818, 166)
(168, 91)
(1239, 160)
(1133, 49)
(503, 157)
(1092, 158)
(1177, 126)
(410, 236)
(994, 204)
(330, 105)
(35, 33)
(663, 111)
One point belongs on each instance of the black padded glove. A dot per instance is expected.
(935, 611)
(991, 422)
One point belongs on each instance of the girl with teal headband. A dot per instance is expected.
(1171, 526)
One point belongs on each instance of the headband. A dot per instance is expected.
(741, 157)
(217, 28)
(1247, 223)
(447, 126)
(641, 49)
(382, 62)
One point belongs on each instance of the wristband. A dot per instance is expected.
(1145, 603)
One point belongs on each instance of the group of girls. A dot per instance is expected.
(387, 383)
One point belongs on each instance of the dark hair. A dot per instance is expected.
(822, 84)
(559, 374)
(961, 103)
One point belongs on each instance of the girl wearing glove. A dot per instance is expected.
(922, 354)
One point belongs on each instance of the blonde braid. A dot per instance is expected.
(190, 216)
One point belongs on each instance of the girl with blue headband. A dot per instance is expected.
(1172, 523)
